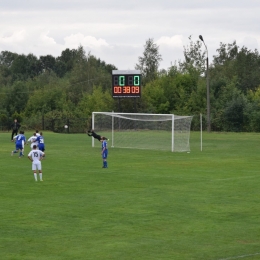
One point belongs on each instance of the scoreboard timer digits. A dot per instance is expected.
(126, 85)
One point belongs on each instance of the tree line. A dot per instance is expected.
(76, 83)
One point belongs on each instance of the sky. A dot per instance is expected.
(116, 30)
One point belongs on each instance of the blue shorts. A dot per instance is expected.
(19, 146)
(41, 148)
(104, 154)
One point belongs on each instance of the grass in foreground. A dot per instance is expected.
(146, 205)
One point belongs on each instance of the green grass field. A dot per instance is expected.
(147, 205)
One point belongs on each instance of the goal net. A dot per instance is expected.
(143, 131)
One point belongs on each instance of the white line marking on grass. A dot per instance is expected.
(240, 256)
(235, 178)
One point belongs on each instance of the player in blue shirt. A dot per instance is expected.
(20, 141)
(104, 152)
(40, 141)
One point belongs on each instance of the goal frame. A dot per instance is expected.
(112, 114)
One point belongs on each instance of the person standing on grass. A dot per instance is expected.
(35, 156)
(104, 152)
(15, 127)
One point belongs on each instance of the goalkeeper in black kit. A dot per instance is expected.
(96, 136)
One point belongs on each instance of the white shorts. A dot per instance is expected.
(36, 166)
(32, 144)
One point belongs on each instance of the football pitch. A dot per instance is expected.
(146, 205)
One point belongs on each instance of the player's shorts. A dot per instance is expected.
(19, 146)
(41, 147)
(32, 144)
(36, 166)
(104, 154)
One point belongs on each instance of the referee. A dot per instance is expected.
(15, 127)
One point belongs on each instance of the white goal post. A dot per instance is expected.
(143, 131)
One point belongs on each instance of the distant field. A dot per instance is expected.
(148, 204)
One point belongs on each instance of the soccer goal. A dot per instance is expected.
(143, 131)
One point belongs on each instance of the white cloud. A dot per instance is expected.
(174, 41)
(74, 40)
(16, 37)
(45, 40)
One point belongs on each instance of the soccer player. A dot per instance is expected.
(19, 145)
(35, 156)
(40, 141)
(32, 139)
(104, 152)
(96, 136)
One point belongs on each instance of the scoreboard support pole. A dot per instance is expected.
(119, 105)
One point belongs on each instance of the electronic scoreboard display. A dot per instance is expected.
(126, 83)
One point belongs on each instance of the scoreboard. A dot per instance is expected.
(126, 83)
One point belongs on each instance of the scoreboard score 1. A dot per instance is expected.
(126, 83)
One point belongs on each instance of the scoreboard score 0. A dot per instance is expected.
(126, 83)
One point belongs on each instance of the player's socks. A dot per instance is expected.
(105, 164)
(35, 176)
(40, 176)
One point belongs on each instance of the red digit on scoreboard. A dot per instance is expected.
(117, 90)
(135, 90)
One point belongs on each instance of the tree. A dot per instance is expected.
(195, 59)
(234, 113)
(97, 101)
(172, 93)
(226, 53)
(47, 62)
(66, 61)
(149, 63)
(7, 58)
(247, 68)
(253, 110)
(16, 98)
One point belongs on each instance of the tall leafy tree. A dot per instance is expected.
(16, 98)
(194, 58)
(247, 68)
(149, 63)
(47, 62)
(97, 101)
